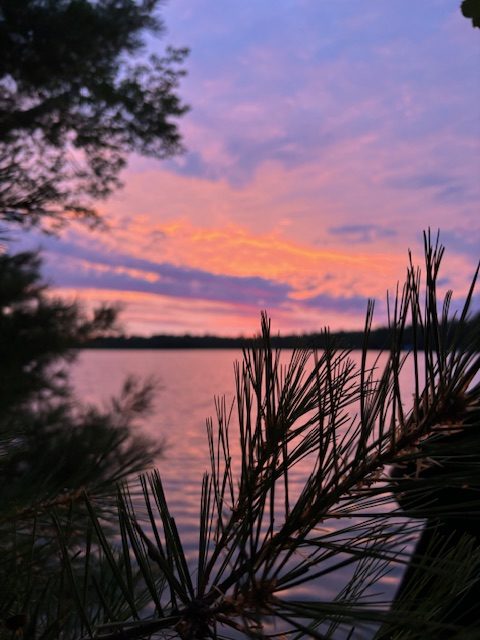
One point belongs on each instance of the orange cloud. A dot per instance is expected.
(235, 251)
(145, 313)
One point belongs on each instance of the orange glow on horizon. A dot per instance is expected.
(149, 314)
(235, 251)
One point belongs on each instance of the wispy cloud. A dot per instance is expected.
(362, 232)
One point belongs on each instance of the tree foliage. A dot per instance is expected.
(471, 9)
(53, 448)
(38, 411)
(77, 94)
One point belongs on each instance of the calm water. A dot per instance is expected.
(188, 381)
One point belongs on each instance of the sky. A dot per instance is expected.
(324, 136)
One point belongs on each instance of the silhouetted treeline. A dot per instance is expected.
(378, 339)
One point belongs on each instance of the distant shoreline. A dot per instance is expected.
(317, 340)
(378, 339)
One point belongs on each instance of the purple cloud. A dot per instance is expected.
(70, 265)
(343, 304)
(362, 232)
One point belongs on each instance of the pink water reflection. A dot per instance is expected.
(188, 382)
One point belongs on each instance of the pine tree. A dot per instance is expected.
(53, 448)
(77, 95)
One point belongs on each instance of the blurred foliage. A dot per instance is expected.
(471, 9)
(77, 95)
(38, 330)
(53, 449)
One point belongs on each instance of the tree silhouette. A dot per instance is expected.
(77, 94)
(471, 9)
(53, 448)
(75, 99)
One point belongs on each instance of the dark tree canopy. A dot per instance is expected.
(77, 95)
(471, 9)
(41, 422)
(53, 448)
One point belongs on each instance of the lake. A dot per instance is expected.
(188, 381)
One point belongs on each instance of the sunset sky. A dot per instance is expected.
(323, 137)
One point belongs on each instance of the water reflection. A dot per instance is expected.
(188, 382)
